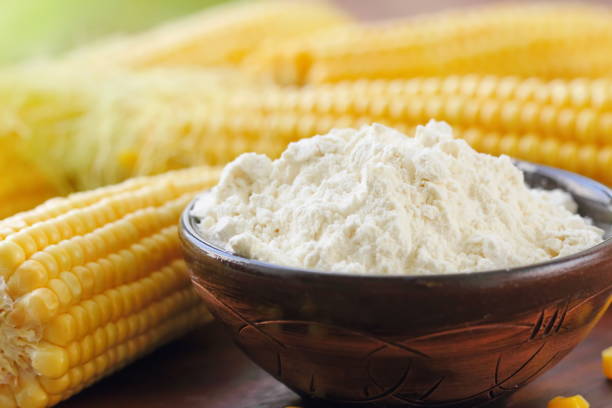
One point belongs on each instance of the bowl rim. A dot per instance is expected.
(188, 233)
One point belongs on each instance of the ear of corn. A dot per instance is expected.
(91, 282)
(143, 124)
(571, 131)
(221, 35)
(543, 40)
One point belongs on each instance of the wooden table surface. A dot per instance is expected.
(205, 370)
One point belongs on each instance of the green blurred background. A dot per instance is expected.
(38, 28)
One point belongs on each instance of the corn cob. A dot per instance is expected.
(141, 124)
(90, 282)
(546, 41)
(561, 123)
(578, 139)
(473, 104)
(270, 132)
(221, 35)
(575, 93)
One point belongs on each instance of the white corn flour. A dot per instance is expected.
(373, 201)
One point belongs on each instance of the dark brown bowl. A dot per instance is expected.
(417, 341)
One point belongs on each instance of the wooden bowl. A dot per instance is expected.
(417, 341)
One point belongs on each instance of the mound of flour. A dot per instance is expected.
(373, 201)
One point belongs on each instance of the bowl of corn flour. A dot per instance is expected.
(365, 266)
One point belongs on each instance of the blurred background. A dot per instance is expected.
(35, 28)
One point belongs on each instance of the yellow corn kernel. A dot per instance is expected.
(100, 341)
(89, 371)
(577, 401)
(55, 385)
(29, 276)
(48, 262)
(606, 357)
(62, 292)
(122, 330)
(39, 235)
(81, 317)
(93, 313)
(99, 275)
(59, 255)
(7, 398)
(86, 280)
(25, 241)
(111, 333)
(62, 227)
(86, 246)
(116, 303)
(61, 330)
(40, 305)
(104, 307)
(11, 255)
(74, 354)
(50, 361)
(101, 364)
(74, 251)
(30, 394)
(76, 376)
(87, 348)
